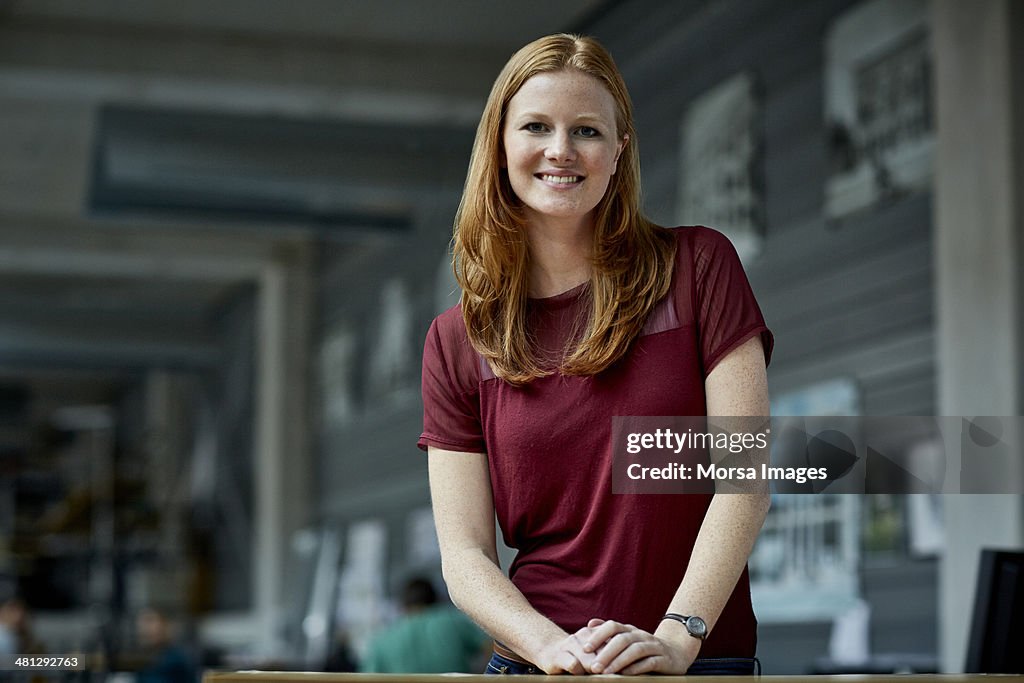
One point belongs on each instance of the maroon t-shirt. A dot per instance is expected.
(582, 551)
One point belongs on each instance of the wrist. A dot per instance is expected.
(535, 648)
(677, 633)
(684, 646)
(672, 631)
(694, 625)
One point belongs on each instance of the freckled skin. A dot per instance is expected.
(562, 122)
(464, 512)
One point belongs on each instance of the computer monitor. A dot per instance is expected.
(997, 630)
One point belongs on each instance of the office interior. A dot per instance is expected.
(224, 231)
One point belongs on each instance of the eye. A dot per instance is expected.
(588, 132)
(535, 127)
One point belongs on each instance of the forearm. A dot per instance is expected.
(464, 514)
(481, 590)
(720, 553)
(737, 386)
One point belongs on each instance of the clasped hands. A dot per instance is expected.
(607, 647)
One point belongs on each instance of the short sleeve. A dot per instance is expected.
(724, 304)
(451, 400)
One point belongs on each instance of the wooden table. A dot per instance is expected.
(302, 677)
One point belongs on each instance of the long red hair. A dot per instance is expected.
(631, 258)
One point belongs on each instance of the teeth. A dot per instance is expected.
(561, 179)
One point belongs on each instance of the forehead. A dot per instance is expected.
(563, 90)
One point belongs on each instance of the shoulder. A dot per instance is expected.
(448, 344)
(449, 332)
(705, 253)
(697, 249)
(385, 639)
(700, 240)
(450, 322)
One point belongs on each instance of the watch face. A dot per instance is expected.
(696, 627)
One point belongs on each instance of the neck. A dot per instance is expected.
(559, 255)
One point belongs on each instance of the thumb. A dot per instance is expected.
(594, 623)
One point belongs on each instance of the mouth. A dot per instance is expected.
(560, 179)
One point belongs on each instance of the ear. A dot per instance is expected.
(618, 152)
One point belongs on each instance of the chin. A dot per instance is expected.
(562, 212)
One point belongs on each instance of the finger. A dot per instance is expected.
(606, 631)
(568, 663)
(633, 652)
(611, 650)
(643, 666)
(574, 645)
(602, 633)
(583, 634)
(594, 623)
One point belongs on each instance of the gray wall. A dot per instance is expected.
(369, 465)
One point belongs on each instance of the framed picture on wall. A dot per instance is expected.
(878, 109)
(719, 180)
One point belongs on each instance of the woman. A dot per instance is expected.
(576, 308)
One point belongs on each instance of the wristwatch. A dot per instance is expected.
(695, 626)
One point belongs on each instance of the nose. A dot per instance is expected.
(560, 147)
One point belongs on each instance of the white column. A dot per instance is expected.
(978, 262)
(283, 481)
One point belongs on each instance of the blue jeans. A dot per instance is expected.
(503, 666)
(710, 666)
(725, 666)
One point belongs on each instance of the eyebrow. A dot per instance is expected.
(586, 116)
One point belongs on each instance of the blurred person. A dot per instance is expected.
(575, 308)
(16, 630)
(339, 657)
(166, 661)
(428, 638)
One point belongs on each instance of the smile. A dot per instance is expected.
(560, 179)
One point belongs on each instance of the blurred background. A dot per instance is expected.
(223, 235)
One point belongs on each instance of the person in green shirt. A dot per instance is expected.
(428, 638)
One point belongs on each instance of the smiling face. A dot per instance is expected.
(561, 146)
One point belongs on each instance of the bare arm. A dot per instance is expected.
(460, 489)
(737, 386)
